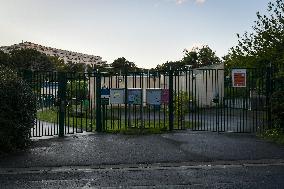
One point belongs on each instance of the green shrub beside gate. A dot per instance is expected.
(17, 110)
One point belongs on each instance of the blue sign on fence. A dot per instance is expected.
(135, 96)
(105, 91)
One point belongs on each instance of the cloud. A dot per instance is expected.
(199, 1)
(179, 2)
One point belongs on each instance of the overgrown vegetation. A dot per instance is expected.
(277, 109)
(274, 135)
(17, 111)
(183, 104)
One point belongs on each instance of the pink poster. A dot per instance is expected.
(165, 96)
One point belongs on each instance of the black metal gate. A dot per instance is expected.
(197, 99)
(218, 106)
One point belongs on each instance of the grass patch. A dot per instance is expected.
(139, 131)
(48, 115)
(275, 135)
(113, 126)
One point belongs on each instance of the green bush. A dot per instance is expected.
(277, 108)
(183, 104)
(77, 90)
(17, 111)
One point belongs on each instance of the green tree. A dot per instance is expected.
(4, 58)
(58, 63)
(191, 58)
(77, 90)
(76, 67)
(122, 65)
(207, 57)
(197, 57)
(173, 65)
(29, 59)
(265, 45)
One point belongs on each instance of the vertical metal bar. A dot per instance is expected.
(126, 98)
(98, 102)
(268, 94)
(62, 99)
(91, 102)
(193, 84)
(85, 109)
(164, 112)
(154, 106)
(180, 94)
(171, 102)
(148, 106)
(42, 75)
(159, 86)
(217, 111)
(210, 119)
(142, 106)
(206, 94)
(81, 99)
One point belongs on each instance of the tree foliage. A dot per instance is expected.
(29, 59)
(77, 90)
(4, 58)
(122, 65)
(58, 63)
(195, 58)
(265, 45)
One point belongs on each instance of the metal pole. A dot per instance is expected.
(126, 98)
(98, 102)
(62, 87)
(268, 95)
(171, 101)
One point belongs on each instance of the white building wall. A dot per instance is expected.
(202, 85)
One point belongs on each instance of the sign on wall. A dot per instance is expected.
(104, 101)
(105, 92)
(239, 77)
(135, 96)
(153, 96)
(117, 96)
(165, 96)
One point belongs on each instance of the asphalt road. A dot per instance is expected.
(183, 159)
(149, 176)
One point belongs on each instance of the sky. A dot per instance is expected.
(146, 32)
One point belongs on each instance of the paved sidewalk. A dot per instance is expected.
(106, 149)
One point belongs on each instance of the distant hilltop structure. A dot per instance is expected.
(67, 56)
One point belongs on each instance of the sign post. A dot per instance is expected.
(239, 77)
(134, 97)
(105, 94)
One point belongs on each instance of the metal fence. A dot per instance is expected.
(199, 99)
